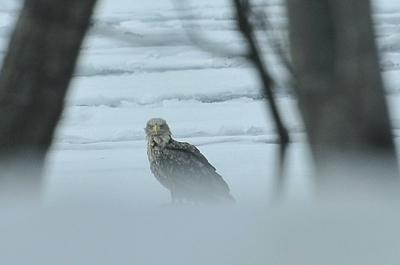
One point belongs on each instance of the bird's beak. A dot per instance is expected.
(156, 128)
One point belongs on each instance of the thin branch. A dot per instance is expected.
(200, 40)
(271, 35)
(242, 12)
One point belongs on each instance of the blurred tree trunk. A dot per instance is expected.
(33, 82)
(340, 94)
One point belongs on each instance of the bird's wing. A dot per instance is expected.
(191, 168)
(190, 150)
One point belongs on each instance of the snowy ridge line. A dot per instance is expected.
(186, 12)
(393, 48)
(220, 22)
(132, 138)
(230, 134)
(386, 65)
(390, 65)
(253, 134)
(183, 11)
(140, 143)
(103, 71)
(154, 99)
(89, 72)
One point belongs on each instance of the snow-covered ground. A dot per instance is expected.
(102, 204)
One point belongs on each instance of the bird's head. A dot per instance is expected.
(157, 131)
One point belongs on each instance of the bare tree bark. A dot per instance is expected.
(33, 82)
(340, 93)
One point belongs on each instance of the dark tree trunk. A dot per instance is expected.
(340, 93)
(33, 82)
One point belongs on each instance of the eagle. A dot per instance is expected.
(182, 169)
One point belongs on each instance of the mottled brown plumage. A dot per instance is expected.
(181, 168)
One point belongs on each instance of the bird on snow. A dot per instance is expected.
(181, 168)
